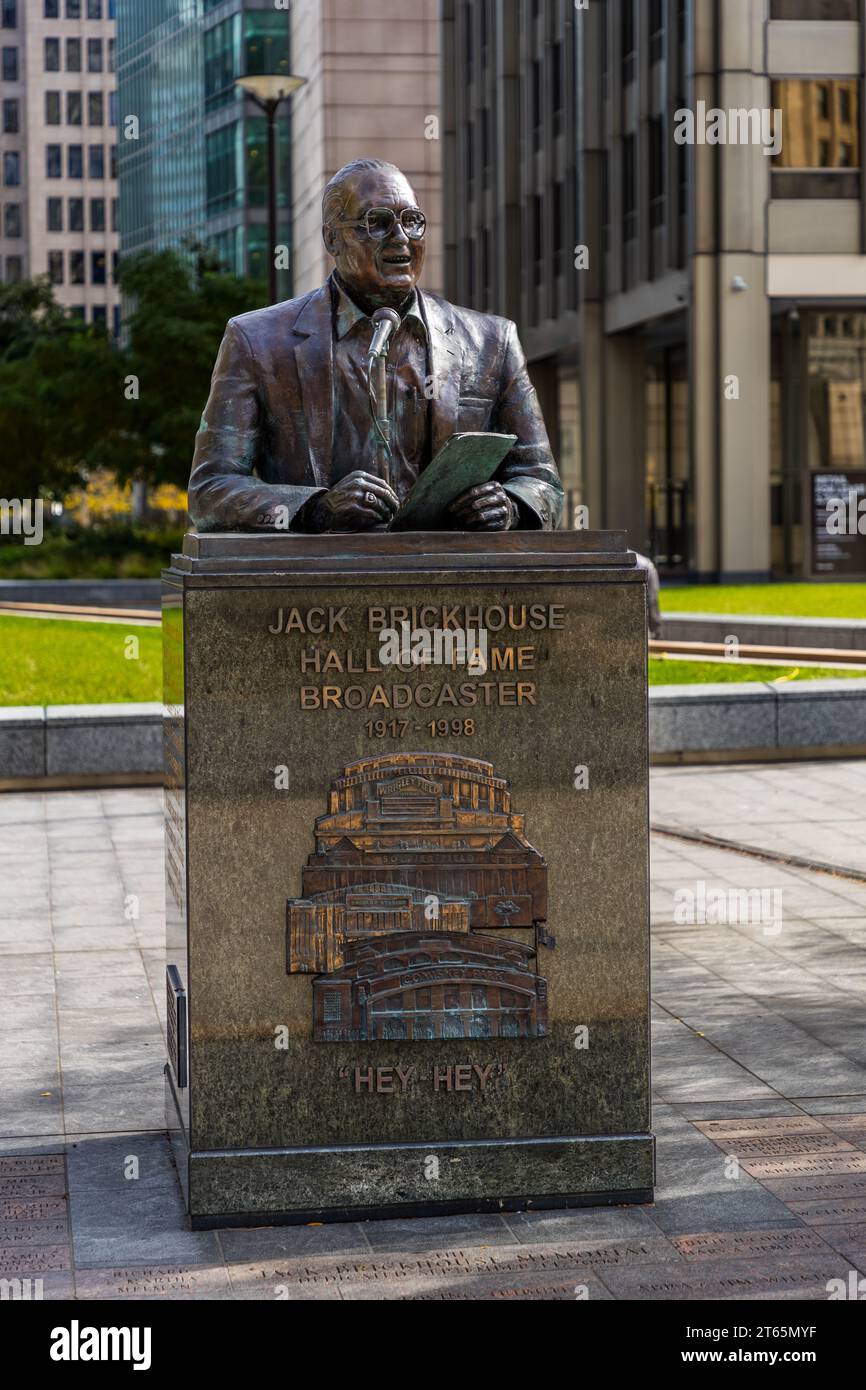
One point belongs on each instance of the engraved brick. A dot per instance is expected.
(22, 1209)
(805, 1165)
(773, 1124)
(152, 1281)
(50, 1186)
(747, 1244)
(35, 1261)
(18, 1233)
(31, 1164)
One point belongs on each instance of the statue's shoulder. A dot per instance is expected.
(478, 327)
(261, 325)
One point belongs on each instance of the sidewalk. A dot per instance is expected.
(759, 1077)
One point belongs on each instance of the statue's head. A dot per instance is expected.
(374, 229)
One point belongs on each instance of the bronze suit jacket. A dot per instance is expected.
(265, 436)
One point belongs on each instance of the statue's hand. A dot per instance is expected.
(358, 502)
(484, 508)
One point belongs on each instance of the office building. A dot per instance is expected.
(372, 91)
(58, 151)
(193, 147)
(692, 298)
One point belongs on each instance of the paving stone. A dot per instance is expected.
(17, 1234)
(743, 1128)
(292, 1242)
(36, 1165)
(20, 1259)
(727, 1245)
(817, 1186)
(582, 1225)
(740, 1210)
(153, 1281)
(435, 1232)
(798, 1277)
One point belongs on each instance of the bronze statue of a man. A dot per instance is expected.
(288, 440)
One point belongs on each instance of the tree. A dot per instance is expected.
(179, 310)
(59, 380)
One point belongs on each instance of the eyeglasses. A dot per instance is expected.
(379, 223)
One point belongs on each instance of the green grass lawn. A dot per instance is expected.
(774, 600)
(50, 662)
(43, 662)
(673, 672)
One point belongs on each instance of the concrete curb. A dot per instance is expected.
(62, 744)
(88, 593)
(764, 631)
(709, 723)
(76, 745)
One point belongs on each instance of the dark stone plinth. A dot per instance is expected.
(408, 903)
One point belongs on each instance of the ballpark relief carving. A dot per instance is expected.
(419, 865)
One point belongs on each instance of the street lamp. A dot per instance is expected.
(268, 92)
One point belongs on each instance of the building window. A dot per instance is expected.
(76, 214)
(538, 239)
(97, 267)
(76, 267)
(73, 108)
(332, 1006)
(820, 155)
(657, 30)
(221, 61)
(94, 9)
(96, 162)
(657, 171)
(9, 13)
(55, 267)
(12, 220)
(629, 203)
(51, 9)
(115, 320)
(113, 164)
(11, 116)
(815, 9)
(222, 166)
(536, 104)
(112, 108)
(112, 55)
(266, 43)
(100, 314)
(14, 270)
(12, 169)
(73, 55)
(95, 108)
(10, 64)
(73, 9)
(556, 59)
(94, 55)
(115, 214)
(54, 161)
(52, 108)
(627, 35)
(54, 218)
(97, 214)
(75, 162)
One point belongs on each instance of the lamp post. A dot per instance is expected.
(268, 92)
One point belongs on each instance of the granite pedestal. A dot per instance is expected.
(407, 901)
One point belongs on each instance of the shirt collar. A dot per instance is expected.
(347, 313)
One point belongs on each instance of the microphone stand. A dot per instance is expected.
(385, 322)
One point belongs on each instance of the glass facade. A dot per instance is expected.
(195, 168)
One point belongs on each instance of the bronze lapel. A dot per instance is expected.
(313, 358)
(446, 365)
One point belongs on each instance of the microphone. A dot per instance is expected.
(385, 320)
